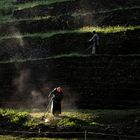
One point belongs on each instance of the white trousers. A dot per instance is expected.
(93, 50)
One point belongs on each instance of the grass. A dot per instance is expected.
(6, 3)
(46, 2)
(38, 2)
(109, 29)
(10, 18)
(40, 59)
(8, 137)
(72, 117)
(73, 55)
(7, 19)
(102, 121)
(93, 117)
(10, 119)
(105, 11)
(14, 120)
(11, 3)
(107, 116)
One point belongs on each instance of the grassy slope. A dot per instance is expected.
(104, 121)
(8, 6)
(12, 4)
(8, 137)
(9, 18)
(71, 118)
(93, 117)
(110, 29)
(5, 5)
(38, 2)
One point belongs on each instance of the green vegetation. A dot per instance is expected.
(103, 121)
(38, 2)
(8, 137)
(72, 55)
(6, 9)
(71, 118)
(98, 119)
(8, 18)
(10, 119)
(110, 29)
(40, 59)
(6, 4)
(105, 116)
(106, 11)
(11, 3)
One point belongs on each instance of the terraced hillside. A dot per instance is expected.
(88, 82)
(44, 44)
(37, 29)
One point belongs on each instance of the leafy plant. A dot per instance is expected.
(12, 119)
(72, 122)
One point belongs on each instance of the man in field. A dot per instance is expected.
(95, 42)
(57, 96)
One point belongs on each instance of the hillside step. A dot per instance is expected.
(69, 22)
(83, 84)
(73, 6)
(36, 47)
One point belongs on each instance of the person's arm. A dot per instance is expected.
(51, 92)
(93, 38)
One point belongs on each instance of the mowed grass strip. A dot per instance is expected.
(109, 29)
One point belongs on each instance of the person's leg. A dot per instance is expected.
(93, 49)
(56, 108)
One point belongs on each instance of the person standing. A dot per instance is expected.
(95, 42)
(57, 96)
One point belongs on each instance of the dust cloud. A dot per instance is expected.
(31, 94)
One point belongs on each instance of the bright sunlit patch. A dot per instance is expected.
(109, 29)
(47, 120)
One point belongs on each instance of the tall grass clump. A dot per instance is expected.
(10, 119)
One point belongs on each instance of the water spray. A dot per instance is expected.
(47, 109)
